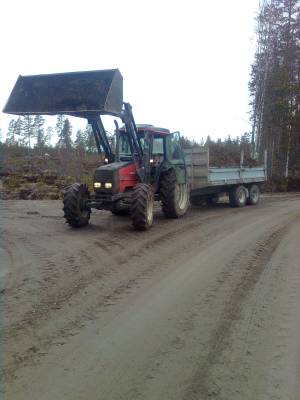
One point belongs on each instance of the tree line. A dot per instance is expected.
(275, 86)
(30, 131)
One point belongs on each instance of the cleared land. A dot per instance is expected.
(205, 307)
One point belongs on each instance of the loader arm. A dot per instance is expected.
(131, 129)
(101, 137)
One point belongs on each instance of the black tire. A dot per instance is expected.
(254, 194)
(119, 209)
(238, 196)
(142, 207)
(76, 212)
(174, 197)
(197, 200)
(212, 199)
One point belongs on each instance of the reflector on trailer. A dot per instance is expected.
(79, 94)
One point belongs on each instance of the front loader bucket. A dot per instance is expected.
(79, 94)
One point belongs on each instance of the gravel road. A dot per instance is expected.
(205, 307)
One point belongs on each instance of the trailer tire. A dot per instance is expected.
(238, 196)
(254, 194)
(142, 207)
(174, 197)
(76, 211)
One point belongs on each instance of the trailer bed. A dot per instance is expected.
(202, 176)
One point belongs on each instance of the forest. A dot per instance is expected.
(275, 88)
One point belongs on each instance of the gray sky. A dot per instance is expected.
(185, 64)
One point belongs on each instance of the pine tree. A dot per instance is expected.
(27, 130)
(10, 136)
(39, 131)
(48, 136)
(80, 141)
(90, 143)
(59, 124)
(64, 138)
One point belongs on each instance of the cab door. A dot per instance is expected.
(176, 157)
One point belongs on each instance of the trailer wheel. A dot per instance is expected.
(174, 196)
(76, 211)
(254, 194)
(238, 196)
(142, 207)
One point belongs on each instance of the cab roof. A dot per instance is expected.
(149, 128)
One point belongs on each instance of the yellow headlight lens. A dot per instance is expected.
(108, 185)
(97, 185)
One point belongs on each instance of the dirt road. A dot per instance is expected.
(205, 307)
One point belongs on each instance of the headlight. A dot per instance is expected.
(108, 185)
(97, 185)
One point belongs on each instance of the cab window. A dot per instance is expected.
(158, 146)
(176, 153)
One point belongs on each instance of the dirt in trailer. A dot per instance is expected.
(204, 307)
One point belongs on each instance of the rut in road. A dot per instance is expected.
(244, 272)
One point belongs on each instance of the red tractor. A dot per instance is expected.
(147, 164)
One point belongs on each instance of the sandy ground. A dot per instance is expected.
(205, 307)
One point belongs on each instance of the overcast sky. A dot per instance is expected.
(185, 64)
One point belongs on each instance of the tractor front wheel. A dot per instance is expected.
(174, 196)
(76, 211)
(142, 207)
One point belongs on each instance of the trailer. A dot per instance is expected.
(207, 183)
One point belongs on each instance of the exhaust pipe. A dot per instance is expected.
(80, 94)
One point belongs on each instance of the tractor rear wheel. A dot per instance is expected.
(174, 196)
(142, 207)
(76, 211)
(238, 196)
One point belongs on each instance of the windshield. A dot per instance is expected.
(124, 146)
(125, 150)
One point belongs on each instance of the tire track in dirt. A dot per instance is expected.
(200, 384)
